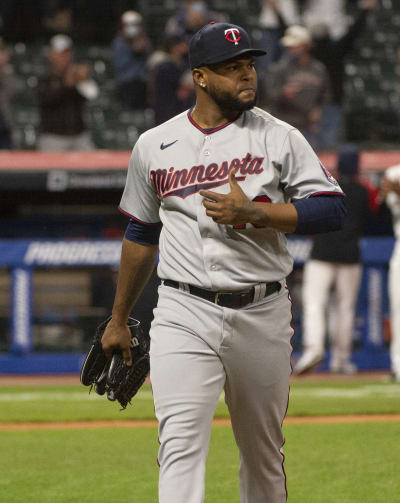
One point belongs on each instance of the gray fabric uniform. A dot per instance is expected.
(199, 348)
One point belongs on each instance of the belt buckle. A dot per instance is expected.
(234, 301)
(217, 296)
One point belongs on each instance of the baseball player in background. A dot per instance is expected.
(335, 262)
(390, 191)
(214, 190)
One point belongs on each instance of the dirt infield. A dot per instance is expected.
(38, 379)
(59, 379)
(93, 425)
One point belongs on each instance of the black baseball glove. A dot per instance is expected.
(119, 381)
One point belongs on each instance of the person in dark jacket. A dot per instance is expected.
(130, 52)
(172, 83)
(332, 53)
(62, 93)
(335, 261)
(297, 87)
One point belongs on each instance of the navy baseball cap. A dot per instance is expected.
(217, 42)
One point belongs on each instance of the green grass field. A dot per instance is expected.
(325, 463)
(307, 398)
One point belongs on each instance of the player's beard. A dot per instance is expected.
(229, 103)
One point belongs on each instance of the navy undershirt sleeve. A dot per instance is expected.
(144, 234)
(320, 214)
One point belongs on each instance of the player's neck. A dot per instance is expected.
(211, 116)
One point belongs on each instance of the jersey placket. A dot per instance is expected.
(211, 233)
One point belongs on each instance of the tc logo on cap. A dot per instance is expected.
(233, 35)
(209, 45)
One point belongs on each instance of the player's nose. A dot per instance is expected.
(248, 74)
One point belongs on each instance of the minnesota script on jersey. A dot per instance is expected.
(171, 163)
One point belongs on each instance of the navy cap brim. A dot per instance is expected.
(215, 60)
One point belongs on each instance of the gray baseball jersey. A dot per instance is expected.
(171, 163)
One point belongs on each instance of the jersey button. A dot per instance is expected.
(214, 267)
(207, 152)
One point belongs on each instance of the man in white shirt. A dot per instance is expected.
(390, 190)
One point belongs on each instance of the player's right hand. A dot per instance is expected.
(116, 337)
(233, 208)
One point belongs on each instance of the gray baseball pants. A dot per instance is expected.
(197, 350)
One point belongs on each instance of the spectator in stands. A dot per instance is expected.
(62, 93)
(390, 193)
(7, 90)
(131, 49)
(275, 17)
(332, 52)
(172, 82)
(329, 12)
(189, 18)
(335, 261)
(297, 87)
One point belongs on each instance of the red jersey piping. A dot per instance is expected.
(136, 219)
(333, 193)
(208, 131)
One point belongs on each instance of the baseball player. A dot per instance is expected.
(214, 190)
(390, 190)
(335, 262)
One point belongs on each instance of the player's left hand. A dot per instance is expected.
(233, 208)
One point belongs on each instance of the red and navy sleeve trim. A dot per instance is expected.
(327, 193)
(207, 131)
(136, 219)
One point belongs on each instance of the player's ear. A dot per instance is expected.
(199, 77)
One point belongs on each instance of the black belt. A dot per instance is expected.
(234, 300)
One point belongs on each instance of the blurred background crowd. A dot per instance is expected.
(116, 68)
